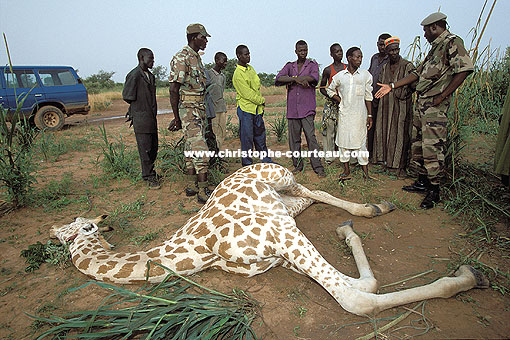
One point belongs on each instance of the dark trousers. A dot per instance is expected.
(252, 132)
(306, 125)
(148, 151)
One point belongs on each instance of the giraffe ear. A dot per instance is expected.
(105, 229)
(99, 218)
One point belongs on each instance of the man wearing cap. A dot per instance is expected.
(377, 62)
(187, 88)
(392, 138)
(441, 72)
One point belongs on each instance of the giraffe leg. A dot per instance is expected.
(296, 205)
(356, 209)
(362, 303)
(367, 281)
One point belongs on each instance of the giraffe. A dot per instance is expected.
(246, 227)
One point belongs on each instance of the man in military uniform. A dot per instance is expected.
(442, 71)
(187, 89)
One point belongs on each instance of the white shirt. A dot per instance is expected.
(354, 90)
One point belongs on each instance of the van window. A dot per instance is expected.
(57, 77)
(20, 79)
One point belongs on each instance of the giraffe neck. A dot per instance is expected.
(92, 259)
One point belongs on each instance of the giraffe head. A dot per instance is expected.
(81, 226)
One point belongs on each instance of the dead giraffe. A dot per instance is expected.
(247, 227)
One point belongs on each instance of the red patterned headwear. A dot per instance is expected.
(392, 40)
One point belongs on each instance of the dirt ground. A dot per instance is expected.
(399, 245)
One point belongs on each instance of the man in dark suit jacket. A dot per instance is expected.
(140, 92)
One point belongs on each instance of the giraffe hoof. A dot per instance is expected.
(378, 210)
(347, 223)
(343, 229)
(382, 208)
(481, 281)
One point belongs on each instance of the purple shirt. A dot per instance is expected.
(300, 101)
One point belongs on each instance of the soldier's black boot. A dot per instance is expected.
(192, 187)
(203, 192)
(420, 185)
(432, 197)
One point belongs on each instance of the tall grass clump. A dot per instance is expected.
(279, 127)
(171, 157)
(117, 160)
(233, 128)
(177, 308)
(17, 165)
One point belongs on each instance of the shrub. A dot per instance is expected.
(99, 81)
(17, 167)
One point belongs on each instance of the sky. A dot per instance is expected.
(106, 35)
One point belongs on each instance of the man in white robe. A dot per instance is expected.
(354, 87)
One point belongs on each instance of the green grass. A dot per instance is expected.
(141, 240)
(177, 308)
(232, 128)
(279, 128)
(39, 253)
(118, 161)
(123, 218)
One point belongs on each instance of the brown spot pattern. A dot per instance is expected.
(202, 250)
(211, 241)
(252, 242)
(238, 230)
(223, 249)
(186, 264)
(249, 252)
(134, 258)
(84, 265)
(105, 268)
(219, 220)
(154, 253)
(227, 200)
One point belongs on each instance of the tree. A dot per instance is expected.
(267, 79)
(99, 81)
(161, 74)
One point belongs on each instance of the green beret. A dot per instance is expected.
(197, 28)
(434, 17)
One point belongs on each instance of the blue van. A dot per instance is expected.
(53, 93)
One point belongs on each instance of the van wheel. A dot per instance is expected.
(49, 118)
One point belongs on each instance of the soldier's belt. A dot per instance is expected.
(192, 98)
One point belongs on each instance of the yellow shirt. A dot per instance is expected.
(247, 85)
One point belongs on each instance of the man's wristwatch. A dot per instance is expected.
(392, 85)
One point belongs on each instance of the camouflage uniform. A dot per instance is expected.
(187, 69)
(446, 58)
(329, 126)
